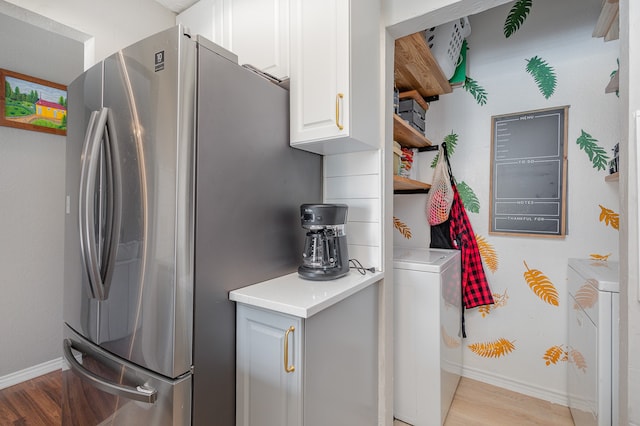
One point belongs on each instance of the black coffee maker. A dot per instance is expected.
(325, 255)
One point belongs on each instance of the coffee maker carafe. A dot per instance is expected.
(325, 255)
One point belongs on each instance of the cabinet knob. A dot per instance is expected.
(339, 97)
(288, 368)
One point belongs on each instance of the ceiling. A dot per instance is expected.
(176, 6)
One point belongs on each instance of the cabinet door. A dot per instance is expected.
(255, 30)
(206, 17)
(259, 34)
(320, 94)
(267, 394)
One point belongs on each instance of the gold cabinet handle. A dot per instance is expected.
(339, 96)
(288, 368)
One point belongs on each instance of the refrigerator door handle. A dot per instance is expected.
(100, 141)
(113, 210)
(143, 393)
(84, 200)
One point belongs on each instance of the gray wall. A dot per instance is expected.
(32, 204)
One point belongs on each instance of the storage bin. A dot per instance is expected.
(411, 105)
(414, 120)
(445, 42)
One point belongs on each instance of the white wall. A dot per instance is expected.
(32, 205)
(114, 24)
(629, 291)
(560, 33)
(354, 179)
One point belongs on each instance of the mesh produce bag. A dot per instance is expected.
(441, 193)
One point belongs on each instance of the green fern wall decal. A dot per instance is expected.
(517, 16)
(477, 91)
(451, 140)
(614, 72)
(597, 155)
(543, 74)
(468, 197)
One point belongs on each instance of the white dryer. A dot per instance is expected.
(427, 330)
(593, 342)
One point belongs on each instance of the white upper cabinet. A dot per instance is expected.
(255, 30)
(259, 34)
(335, 75)
(205, 18)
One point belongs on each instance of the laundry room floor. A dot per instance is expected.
(481, 404)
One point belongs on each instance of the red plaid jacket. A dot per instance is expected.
(475, 288)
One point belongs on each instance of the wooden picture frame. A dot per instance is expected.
(528, 188)
(32, 103)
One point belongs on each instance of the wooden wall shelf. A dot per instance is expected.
(416, 68)
(404, 184)
(417, 76)
(608, 24)
(406, 135)
(613, 177)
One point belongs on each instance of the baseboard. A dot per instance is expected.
(30, 373)
(515, 386)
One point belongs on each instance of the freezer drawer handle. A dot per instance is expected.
(143, 393)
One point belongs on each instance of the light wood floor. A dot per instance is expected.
(480, 404)
(37, 402)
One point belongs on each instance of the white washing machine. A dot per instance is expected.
(427, 330)
(593, 342)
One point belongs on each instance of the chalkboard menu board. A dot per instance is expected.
(528, 173)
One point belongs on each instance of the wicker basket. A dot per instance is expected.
(445, 42)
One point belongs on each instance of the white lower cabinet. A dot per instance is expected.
(269, 379)
(316, 371)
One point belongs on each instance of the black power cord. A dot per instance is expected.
(358, 266)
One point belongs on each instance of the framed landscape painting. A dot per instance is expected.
(32, 104)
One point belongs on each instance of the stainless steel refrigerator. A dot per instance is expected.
(180, 187)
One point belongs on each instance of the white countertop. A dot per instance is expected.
(293, 295)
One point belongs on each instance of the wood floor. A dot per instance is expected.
(37, 403)
(479, 404)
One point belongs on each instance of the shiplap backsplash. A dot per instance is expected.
(354, 179)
